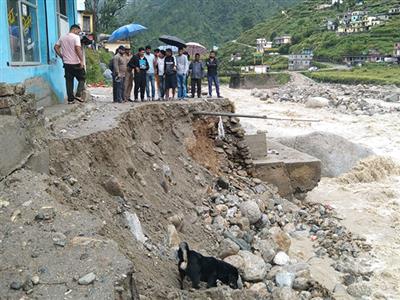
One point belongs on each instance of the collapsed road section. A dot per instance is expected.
(124, 186)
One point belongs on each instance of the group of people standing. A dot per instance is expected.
(148, 72)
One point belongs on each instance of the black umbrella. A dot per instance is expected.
(172, 41)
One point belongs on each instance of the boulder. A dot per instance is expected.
(113, 187)
(281, 259)
(284, 278)
(251, 211)
(359, 289)
(317, 102)
(260, 289)
(281, 238)
(87, 279)
(228, 248)
(283, 293)
(255, 268)
(392, 98)
(173, 237)
(337, 154)
(235, 260)
(267, 248)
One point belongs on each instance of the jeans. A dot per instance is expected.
(181, 86)
(161, 86)
(120, 89)
(71, 72)
(150, 80)
(196, 82)
(140, 84)
(186, 86)
(211, 79)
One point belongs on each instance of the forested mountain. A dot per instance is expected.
(307, 21)
(210, 22)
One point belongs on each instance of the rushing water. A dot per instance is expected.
(370, 207)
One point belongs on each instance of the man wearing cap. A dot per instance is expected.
(119, 64)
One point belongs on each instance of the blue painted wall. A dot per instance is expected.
(50, 68)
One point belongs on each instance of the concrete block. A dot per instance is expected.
(257, 144)
(290, 170)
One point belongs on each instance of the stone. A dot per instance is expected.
(16, 285)
(35, 279)
(59, 239)
(392, 98)
(6, 89)
(281, 259)
(223, 183)
(135, 226)
(28, 284)
(301, 284)
(240, 242)
(317, 102)
(359, 289)
(267, 248)
(281, 238)
(283, 293)
(113, 187)
(255, 268)
(260, 288)
(235, 260)
(228, 248)
(221, 209)
(251, 210)
(219, 223)
(87, 279)
(46, 214)
(305, 295)
(284, 278)
(173, 237)
(337, 154)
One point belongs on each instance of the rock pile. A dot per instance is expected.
(359, 99)
(254, 227)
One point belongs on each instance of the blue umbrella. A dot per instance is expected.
(126, 32)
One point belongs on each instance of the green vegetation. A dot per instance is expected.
(307, 25)
(368, 74)
(204, 21)
(93, 60)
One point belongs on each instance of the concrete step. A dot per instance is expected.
(292, 171)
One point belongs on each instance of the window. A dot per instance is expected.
(63, 26)
(23, 31)
(86, 24)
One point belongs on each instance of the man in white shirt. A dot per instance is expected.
(69, 49)
(161, 72)
(150, 79)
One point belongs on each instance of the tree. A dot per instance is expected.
(104, 13)
(246, 23)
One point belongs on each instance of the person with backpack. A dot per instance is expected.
(170, 74)
(140, 66)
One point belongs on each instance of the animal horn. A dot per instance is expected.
(240, 282)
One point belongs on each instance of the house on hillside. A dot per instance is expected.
(357, 16)
(29, 30)
(85, 18)
(394, 10)
(263, 44)
(283, 40)
(337, 2)
(302, 61)
(331, 25)
(396, 52)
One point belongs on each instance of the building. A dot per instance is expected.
(337, 2)
(302, 61)
(357, 16)
(394, 10)
(29, 30)
(396, 52)
(85, 18)
(331, 25)
(283, 40)
(263, 44)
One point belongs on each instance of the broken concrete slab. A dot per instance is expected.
(290, 170)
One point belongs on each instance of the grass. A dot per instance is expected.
(380, 74)
(93, 60)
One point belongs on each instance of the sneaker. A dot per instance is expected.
(71, 102)
(220, 96)
(130, 100)
(79, 99)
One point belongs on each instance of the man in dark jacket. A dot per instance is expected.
(171, 80)
(140, 66)
(212, 74)
(196, 71)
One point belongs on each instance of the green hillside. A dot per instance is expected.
(209, 22)
(307, 25)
